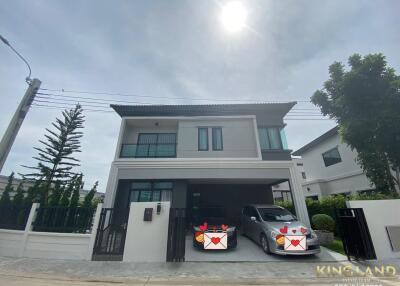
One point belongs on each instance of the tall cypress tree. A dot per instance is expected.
(75, 193)
(88, 200)
(5, 200)
(18, 199)
(55, 159)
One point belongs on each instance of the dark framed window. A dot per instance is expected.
(156, 145)
(217, 143)
(147, 191)
(203, 139)
(331, 157)
(270, 138)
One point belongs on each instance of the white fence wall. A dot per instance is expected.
(11, 242)
(52, 245)
(146, 241)
(379, 214)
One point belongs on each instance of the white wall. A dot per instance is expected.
(57, 246)
(49, 245)
(379, 214)
(11, 242)
(345, 176)
(146, 241)
(238, 136)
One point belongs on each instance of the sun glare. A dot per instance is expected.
(233, 16)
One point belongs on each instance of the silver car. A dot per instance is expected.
(268, 225)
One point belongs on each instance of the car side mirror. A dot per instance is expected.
(253, 218)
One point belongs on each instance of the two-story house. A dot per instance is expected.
(194, 156)
(329, 167)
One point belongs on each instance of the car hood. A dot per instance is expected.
(297, 225)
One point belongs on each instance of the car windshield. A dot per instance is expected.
(276, 214)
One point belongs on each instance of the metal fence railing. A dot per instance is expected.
(14, 217)
(64, 219)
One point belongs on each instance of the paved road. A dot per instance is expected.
(35, 272)
(29, 280)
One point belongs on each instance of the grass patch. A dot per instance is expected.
(336, 245)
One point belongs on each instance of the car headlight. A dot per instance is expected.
(313, 234)
(274, 234)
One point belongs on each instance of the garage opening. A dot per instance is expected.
(222, 204)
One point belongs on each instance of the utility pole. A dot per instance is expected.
(16, 121)
(19, 115)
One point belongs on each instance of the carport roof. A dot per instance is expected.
(280, 109)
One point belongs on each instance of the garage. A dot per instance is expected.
(205, 202)
(221, 203)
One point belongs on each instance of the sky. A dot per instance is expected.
(179, 49)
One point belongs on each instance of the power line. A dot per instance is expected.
(150, 96)
(46, 106)
(63, 104)
(101, 101)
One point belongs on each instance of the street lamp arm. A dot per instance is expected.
(28, 78)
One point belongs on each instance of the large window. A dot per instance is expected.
(270, 138)
(151, 145)
(331, 157)
(217, 139)
(150, 191)
(203, 138)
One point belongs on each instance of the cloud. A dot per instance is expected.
(178, 49)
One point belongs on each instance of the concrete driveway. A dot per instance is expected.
(248, 251)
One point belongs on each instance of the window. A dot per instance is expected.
(151, 145)
(303, 175)
(331, 157)
(203, 138)
(150, 191)
(276, 214)
(217, 139)
(270, 138)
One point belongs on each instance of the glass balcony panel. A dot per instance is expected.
(148, 151)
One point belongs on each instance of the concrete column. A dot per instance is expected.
(28, 227)
(111, 188)
(93, 234)
(298, 197)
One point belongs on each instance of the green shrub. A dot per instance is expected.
(323, 222)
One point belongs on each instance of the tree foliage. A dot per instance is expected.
(88, 200)
(5, 200)
(365, 102)
(55, 159)
(18, 199)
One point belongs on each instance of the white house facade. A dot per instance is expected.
(193, 156)
(328, 166)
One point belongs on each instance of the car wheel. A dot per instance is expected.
(264, 244)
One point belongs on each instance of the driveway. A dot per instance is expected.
(248, 251)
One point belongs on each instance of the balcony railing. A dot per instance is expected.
(148, 151)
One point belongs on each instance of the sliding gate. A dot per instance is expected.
(111, 234)
(356, 238)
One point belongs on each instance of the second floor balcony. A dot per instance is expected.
(148, 150)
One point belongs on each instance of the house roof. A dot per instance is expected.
(203, 110)
(317, 141)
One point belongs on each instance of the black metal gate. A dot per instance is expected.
(111, 233)
(356, 238)
(176, 235)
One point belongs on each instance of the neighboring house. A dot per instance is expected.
(329, 167)
(195, 156)
(27, 184)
